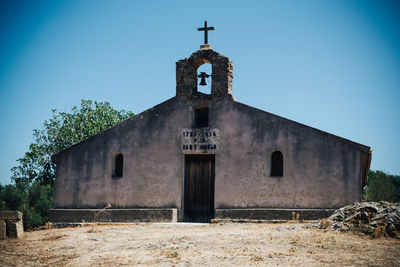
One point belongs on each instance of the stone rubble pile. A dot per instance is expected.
(372, 218)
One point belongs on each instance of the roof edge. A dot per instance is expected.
(365, 147)
(54, 157)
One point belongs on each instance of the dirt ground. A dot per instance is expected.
(181, 244)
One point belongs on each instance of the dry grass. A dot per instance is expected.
(172, 254)
(257, 258)
(198, 245)
(53, 237)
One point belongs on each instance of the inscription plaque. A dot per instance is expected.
(203, 140)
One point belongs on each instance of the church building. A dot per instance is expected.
(200, 156)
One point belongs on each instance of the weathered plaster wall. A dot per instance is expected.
(320, 170)
(153, 163)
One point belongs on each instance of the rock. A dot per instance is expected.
(11, 215)
(14, 224)
(15, 228)
(372, 218)
(3, 230)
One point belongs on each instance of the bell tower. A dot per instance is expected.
(186, 72)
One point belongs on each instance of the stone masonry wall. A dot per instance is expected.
(186, 74)
(11, 224)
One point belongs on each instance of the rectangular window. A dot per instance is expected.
(201, 117)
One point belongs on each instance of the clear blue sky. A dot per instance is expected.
(333, 65)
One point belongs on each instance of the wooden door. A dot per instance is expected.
(199, 188)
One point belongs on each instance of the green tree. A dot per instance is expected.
(12, 196)
(33, 199)
(60, 132)
(34, 176)
(382, 186)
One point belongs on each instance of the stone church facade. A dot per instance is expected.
(200, 156)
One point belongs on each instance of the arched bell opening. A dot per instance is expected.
(204, 78)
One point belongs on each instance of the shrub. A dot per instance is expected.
(34, 200)
(382, 186)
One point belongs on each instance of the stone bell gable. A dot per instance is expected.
(186, 74)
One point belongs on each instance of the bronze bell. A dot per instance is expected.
(203, 81)
(203, 77)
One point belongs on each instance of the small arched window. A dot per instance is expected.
(277, 164)
(118, 165)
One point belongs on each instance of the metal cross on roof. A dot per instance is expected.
(206, 29)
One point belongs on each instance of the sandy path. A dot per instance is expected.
(198, 245)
